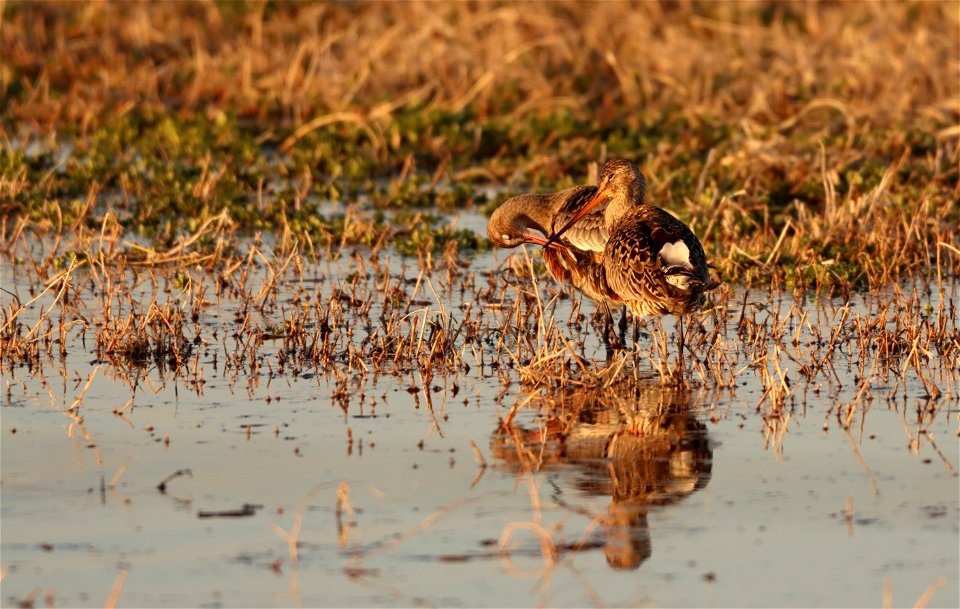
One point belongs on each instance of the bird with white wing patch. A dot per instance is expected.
(652, 261)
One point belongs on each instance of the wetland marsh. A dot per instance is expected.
(257, 352)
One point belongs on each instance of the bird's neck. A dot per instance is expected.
(618, 206)
(532, 215)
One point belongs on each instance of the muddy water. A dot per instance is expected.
(649, 495)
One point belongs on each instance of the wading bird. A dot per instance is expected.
(652, 262)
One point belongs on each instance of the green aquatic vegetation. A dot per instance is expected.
(419, 232)
(14, 161)
(846, 274)
(418, 191)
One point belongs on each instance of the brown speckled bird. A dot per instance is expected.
(652, 262)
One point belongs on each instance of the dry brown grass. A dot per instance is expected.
(841, 66)
(815, 142)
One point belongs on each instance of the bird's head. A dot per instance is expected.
(622, 179)
(510, 227)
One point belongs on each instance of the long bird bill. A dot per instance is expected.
(529, 237)
(600, 197)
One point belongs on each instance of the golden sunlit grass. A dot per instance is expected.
(168, 169)
(873, 65)
(812, 142)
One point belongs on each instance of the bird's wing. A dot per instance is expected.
(579, 269)
(679, 249)
(590, 233)
(655, 259)
(633, 271)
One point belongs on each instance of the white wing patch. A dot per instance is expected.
(676, 254)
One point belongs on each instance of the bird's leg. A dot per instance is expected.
(680, 340)
(607, 321)
(607, 331)
(610, 339)
(623, 327)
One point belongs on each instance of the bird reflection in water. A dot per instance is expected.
(644, 451)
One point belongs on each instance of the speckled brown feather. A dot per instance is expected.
(582, 270)
(636, 272)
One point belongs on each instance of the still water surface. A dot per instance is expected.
(658, 497)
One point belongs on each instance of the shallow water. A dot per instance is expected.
(646, 495)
